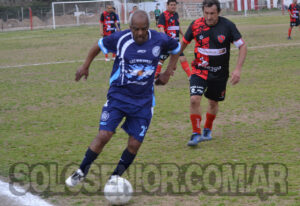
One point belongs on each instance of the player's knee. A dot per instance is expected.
(213, 104)
(133, 145)
(103, 137)
(195, 101)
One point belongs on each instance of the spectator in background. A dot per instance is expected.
(133, 10)
(157, 14)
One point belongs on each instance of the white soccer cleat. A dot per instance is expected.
(107, 60)
(75, 178)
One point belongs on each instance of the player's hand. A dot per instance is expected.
(82, 71)
(163, 78)
(235, 77)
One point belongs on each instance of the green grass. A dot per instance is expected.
(45, 117)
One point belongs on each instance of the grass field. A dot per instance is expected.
(45, 117)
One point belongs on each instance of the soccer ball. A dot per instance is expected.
(118, 190)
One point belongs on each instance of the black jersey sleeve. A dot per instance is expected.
(189, 36)
(234, 32)
(162, 21)
(102, 18)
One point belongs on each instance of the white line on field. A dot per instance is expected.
(46, 63)
(101, 59)
(27, 199)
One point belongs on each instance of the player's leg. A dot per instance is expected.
(197, 88)
(110, 119)
(215, 92)
(290, 30)
(128, 156)
(185, 65)
(136, 125)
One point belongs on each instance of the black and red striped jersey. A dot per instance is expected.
(108, 20)
(212, 47)
(294, 9)
(170, 22)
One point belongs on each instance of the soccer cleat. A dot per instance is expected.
(206, 135)
(194, 139)
(75, 178)
(113, 58)
(289, 38)
(107, 59)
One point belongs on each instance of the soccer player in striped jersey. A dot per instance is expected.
(108, 25)
(294, 10)
(131, 91)
(213, 36)
(169, 23)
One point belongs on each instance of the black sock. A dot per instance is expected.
(125, 161)
(89, 158)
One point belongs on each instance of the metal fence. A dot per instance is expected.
(89, 13)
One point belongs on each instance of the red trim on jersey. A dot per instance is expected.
(160, 25)
(185, 41)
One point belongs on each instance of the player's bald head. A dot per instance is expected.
(140, 16)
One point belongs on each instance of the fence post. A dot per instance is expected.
(30, 16)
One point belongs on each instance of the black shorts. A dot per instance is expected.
(163, 56)
(214, 89)
(295, 23)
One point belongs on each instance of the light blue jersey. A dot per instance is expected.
(132, 76)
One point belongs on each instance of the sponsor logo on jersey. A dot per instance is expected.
(212, 52)
(141, 51)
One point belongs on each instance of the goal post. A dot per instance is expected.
(72, 13)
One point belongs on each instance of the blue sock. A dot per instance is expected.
(125, 161)
(89, 158)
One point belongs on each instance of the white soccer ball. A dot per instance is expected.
(118, 190)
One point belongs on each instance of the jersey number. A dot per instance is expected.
(144, 128)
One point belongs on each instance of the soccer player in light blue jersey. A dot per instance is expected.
(131, 91)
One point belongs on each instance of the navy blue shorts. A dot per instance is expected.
(137, 119)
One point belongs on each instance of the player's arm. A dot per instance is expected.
(101, 25)
(161, 23)
(236, 74)
(117, 26)
(180, 31)
(116, 23)
(174, 56)
(101, 29)
(83, 70)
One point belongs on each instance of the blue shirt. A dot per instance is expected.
(133, 71)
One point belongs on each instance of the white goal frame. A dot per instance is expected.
(80, 2)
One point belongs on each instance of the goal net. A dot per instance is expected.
(71, 13)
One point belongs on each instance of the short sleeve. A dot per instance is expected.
(170, 45)
(116, 18)
(189, 36)
(102, 18)
(236, 37)
(108, 43)
(161, 21)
